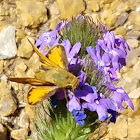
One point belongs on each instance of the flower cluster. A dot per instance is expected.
(96, 72)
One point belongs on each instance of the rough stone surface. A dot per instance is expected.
(92, 5)
(25, 49)
(19, 134)
(7, 43)
(20, 69)
(134, 18)
(108, 20)
(119, 129)
(69, 9)
(121, 19)
(31, 13)
(7, 101)
(132, 57)
(133, 35)
(1, 66)
(136, 113)
(23, 120)
(134, 129)
(135, 93)
(121, 31)
(133, 43)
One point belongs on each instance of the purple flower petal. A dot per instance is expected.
(67, 45)
(75, 50)
(73, 103)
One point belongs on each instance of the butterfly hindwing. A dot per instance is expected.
(36, 95)
(57, 55)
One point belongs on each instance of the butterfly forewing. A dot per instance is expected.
(58, 56)
(45, 60)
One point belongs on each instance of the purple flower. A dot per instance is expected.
(82, 78)
(116, 48)
(79, 116)
(48, 39)
(100, 61)
(51, 38)
(118, 96)
(99, 104)
(71, 51)
(73, 103)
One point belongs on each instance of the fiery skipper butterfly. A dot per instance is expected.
(55, 76)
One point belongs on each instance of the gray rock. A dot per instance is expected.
(121, 19)
(133, 43)
(7, 101)
(8, 48)
(133, 35)
(19, 134)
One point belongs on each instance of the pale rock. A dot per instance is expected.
(31, 13)
(53, 22)
(138, 8)
(136, 113)
(34, 62)
(30, 110)
(43, 28)
(121, 19)
(111, 20)
(25, 49)
(134, 129)
(107, 1)
(19, 134)
(120, 6)
(92, 5)
(133, 43)
(121, 31)
(127, 80)
(108, 20)
(135, 94)
(48, 2)
(54, 11)
(20, 70)
(7, 101)
(133, 35)
(20, 34)
(30, 73)
(132, 57)
(3, 132)
(4, 78)
(2, 10)
(7, 43)
(136, 69)
(23, 120)
(1, 66)
(134, 17)
(55, 16)
(69, 9)
(119, 129)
